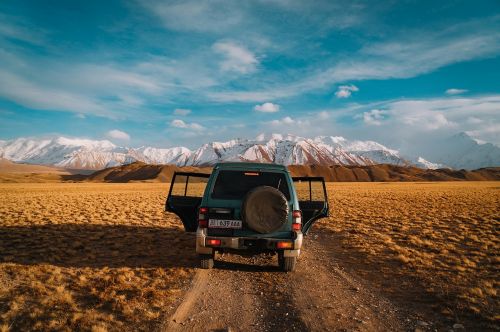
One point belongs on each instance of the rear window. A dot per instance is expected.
(236, 184)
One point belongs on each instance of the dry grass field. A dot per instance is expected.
(89, 256)
(106, 257)
(431, 245)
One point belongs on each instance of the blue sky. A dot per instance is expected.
(171, 73)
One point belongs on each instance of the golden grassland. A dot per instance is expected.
(89, 256)
(433, 243)
(106, 257)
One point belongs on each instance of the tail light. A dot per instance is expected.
(203, 217)
(284, 245)
(296, 220)
(213, 242)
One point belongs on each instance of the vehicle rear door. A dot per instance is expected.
(184, 197)
(313, 200)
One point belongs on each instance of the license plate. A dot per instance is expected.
(223, 223)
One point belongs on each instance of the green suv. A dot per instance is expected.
(248, 207)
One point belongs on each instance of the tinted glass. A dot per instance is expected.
(236, 184)
(309, 190)
(192, 186)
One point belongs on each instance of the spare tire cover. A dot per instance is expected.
(265, 209)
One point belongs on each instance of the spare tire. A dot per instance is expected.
(264, 209)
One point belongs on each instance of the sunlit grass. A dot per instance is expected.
(89, 256)
(444, 234)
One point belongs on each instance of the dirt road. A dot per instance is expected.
(251, 294)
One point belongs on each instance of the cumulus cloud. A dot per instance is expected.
(177, 123)
(267, 108)
(345, 91)
(182, 111)
(118, 134)
(374, 117)
(455, 91)
(237, 58)
(287, 121)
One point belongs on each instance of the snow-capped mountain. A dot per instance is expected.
(461, 151)
(275, 148)
(85, 154)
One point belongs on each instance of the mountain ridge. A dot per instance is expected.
(288, 149)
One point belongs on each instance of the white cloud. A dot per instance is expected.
(402, 123)
(345, 91)
(178, 124)
(455, 91)
(182, 111)
(181, 124)
(288, 121)
(267, 108)
(426, 120)
(236, 57)
(19, 29)
(196, 15)
(105, 89)
(474, 120)
(408, 54)
(323, 115)
(374, 117)
(487, 131)
(196, 126)
(118, 134)
(30, 94)
(415, 121)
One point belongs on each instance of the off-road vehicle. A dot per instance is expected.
(248, 207)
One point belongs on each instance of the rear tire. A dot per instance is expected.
(287, 264)
(206, 261)
(280, 259)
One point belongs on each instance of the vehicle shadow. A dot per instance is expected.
(95, 246)
(246, 264)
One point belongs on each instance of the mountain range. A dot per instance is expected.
(460, 151)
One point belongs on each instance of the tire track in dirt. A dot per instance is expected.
(252, 294)
(329, 298)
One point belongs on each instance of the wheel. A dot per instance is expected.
(287, 264)
(280, 259)
(206, 261)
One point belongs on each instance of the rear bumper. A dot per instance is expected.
(246, 243)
